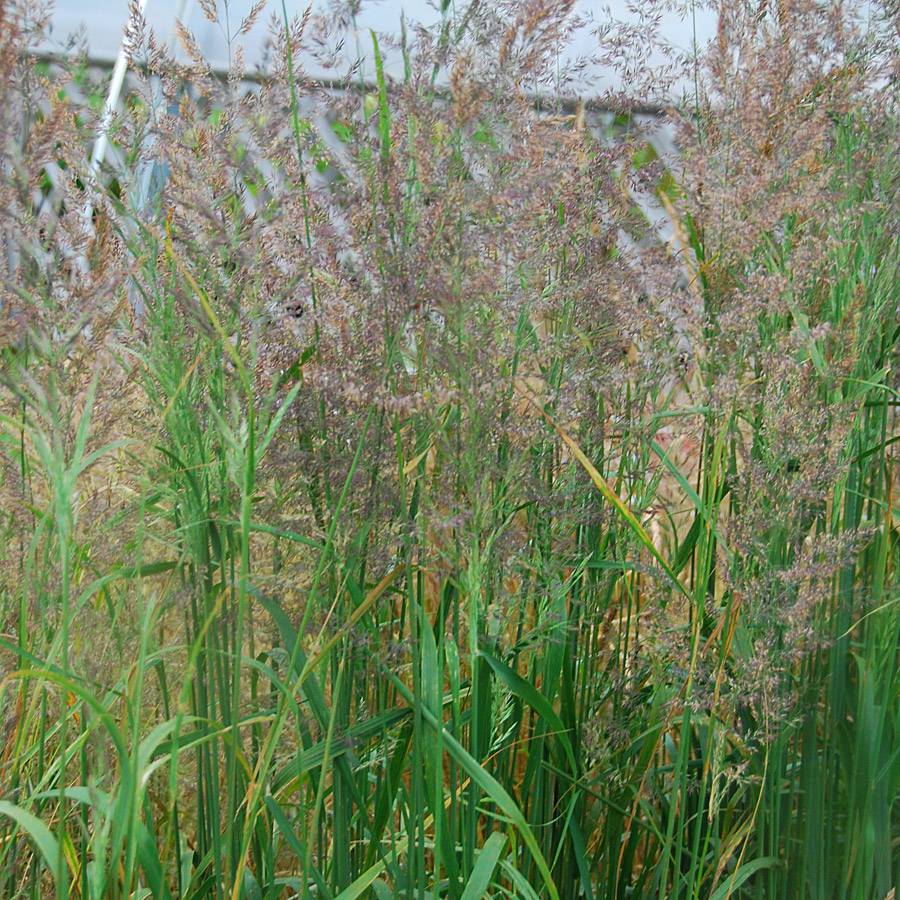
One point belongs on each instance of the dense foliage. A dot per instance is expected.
(389, 510)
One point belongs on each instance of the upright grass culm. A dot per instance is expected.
(389, 512)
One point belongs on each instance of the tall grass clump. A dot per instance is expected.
(390, 512)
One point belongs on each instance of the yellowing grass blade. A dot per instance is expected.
(411, 465)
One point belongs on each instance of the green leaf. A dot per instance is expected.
(694, 497)
(281, 533)
(148, 856)
(725, 890)
(538, 702)
(483, 870)
(276, 419)
(492, 788)
(285, 827)
(610, 494)
(252, 890)
(37, 831)
(523, 888)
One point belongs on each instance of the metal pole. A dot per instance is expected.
(109, 109)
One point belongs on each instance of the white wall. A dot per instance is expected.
(103, 21)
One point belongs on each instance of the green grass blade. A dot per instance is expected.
(488, 857)
(724, 891)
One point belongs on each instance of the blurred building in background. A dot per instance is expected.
(102, 23)
(99, 29)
